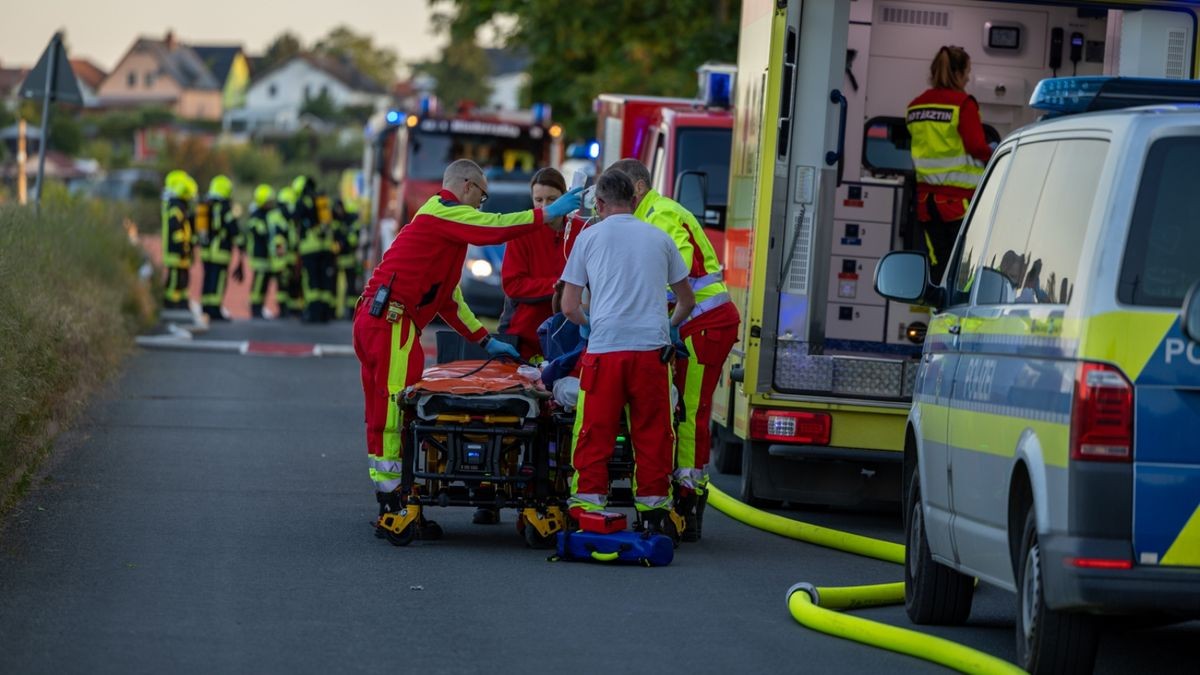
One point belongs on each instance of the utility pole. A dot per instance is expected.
(22, 179)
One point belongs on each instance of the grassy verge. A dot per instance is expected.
(70, 302)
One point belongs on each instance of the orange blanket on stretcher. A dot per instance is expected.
(470, 378)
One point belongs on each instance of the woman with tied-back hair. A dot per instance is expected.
(949, 152)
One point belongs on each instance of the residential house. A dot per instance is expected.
(164, 72)
(509, 77)
(277, 97)
(89, 76)
(230, 66)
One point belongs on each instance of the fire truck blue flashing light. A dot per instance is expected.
(393, 117)
(594, 149)
(541, 113)
(718, 90)
(1070, 95)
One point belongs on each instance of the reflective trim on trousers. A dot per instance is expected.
(693, 479)
(384, 465)
(587, 502)
(649, 502)
(384, 482)
(709, 305)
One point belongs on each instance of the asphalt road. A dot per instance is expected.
(211, 514)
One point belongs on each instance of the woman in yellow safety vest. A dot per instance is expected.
(949, 152)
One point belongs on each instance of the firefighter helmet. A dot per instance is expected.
(263, 194)
(220, 187)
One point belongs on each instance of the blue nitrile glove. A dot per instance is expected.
(496, 348)
(563, 205)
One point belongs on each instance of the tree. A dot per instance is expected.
(377, 63)
(647, 47)
(283, 47)
(461, 72)
(320, 106)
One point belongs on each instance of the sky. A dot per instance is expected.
(104, 30)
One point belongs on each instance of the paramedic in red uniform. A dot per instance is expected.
(533, 265)
(625, 264)
(949, 152)
(421, 271)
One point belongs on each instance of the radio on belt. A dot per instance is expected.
(379, 302)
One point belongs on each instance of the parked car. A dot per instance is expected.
(481, 285)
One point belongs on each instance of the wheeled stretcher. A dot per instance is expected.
(487, 434)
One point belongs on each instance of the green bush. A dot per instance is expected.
(70, 302)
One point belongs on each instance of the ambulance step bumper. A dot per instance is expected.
(826, 452)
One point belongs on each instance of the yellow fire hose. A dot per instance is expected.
(814, 607)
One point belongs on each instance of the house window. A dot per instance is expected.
(149, 80)
(324, 90)
(131, 79)
(307, 92)
(272, 90)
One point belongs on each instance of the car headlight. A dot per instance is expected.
(480, 268)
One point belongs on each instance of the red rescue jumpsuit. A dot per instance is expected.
(532, 266)
(422, 266)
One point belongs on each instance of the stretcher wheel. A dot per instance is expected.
(533, 539)
(403, 538)
(431, 531)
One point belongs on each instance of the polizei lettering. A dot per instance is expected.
(1179, 348)
(930, 115)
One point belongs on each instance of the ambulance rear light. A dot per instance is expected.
(791, 426)
(1070, 95)
(1102, 415)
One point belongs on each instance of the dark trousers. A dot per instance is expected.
(258, 292)
(316, 299)
(213, 292)
(938, 237)
(176, 288)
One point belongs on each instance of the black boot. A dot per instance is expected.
(658, 521)
(486, 516)
(686, 507)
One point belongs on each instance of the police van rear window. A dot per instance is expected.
(1164, 239)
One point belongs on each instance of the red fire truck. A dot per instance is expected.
(406, 153)
(685, 143)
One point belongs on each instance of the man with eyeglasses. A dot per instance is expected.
(416, 281)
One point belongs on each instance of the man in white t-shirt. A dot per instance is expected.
(625, 264)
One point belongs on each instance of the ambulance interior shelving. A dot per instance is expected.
(1012, 47)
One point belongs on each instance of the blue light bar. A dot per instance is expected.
(594, 149)
(1071, 95)
(541, 113)
(393, 117)
(718, 90)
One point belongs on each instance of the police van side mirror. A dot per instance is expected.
(903, 276)
(1190, 321)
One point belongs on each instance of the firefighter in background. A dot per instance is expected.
(626, 265)
(416, 281)
(532, 266)
(315, 247)
(217, 231)
(345, 248)
(177, 238)
(291, 302)
(949, 152)
(708, 333)
(266, 247)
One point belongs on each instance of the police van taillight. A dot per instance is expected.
(790, 426)
(1102, 415)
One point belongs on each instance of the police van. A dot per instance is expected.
(1052, 445)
